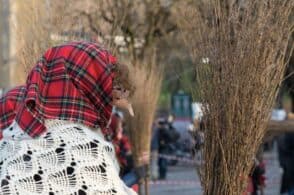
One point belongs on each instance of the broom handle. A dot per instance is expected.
(141, 187)
(147, 179)
(146, 186)
(144, 181)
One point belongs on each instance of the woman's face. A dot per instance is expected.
(119, 99)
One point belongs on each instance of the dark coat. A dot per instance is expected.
(166, 136)
(286, 159)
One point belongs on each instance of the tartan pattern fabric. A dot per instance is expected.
(9, 104)
(122, 148)
(70, 82)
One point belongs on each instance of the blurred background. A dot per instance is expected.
(146, 32)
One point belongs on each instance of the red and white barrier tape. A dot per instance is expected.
(274, 181)
(267, 160)
(171, 157)
(175, 182)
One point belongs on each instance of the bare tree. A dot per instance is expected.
(136, 26)
(38, 26)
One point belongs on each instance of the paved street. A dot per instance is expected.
(183, 180)
(273, 173)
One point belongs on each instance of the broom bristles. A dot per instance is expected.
(148, 83)
(244, 43)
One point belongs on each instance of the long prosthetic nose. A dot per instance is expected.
(130, 109)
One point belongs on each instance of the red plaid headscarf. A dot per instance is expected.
(9, 104)
(70, 82)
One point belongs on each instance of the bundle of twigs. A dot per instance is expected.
(147, 80)
(239, 49)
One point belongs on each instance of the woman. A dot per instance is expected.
(53, 132)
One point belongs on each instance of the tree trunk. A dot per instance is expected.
(4, 44)
(292, 102)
